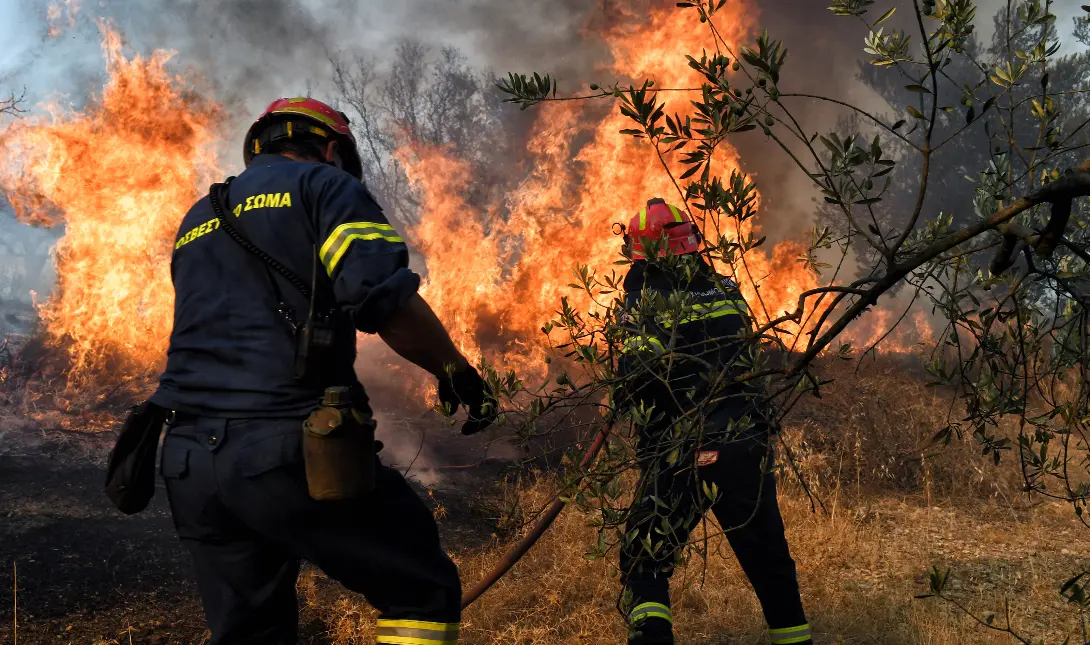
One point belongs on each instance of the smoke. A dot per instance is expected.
(823, 59)
(249, 52)
(514, 35)
(26, 266)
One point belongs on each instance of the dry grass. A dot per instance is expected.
(36, 391)
(859, 569)
(872, 430)
(892, 510)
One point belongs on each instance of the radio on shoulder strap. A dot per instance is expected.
(315, 339)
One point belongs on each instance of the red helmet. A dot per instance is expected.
(285, 117)
(661, 220)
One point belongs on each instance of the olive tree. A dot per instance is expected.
(1003, 257)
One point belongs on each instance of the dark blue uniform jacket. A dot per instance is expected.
(674, 350)
(232, 351)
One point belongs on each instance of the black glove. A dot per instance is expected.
(466, 387)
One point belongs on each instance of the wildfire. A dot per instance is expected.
(68, 10)
(497, 285)
(119, 176)
(120, 173)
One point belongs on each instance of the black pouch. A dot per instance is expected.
(130, 474)
(314, 344)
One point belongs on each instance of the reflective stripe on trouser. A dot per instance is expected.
(415, 632)
(786, 635)
(649, 610)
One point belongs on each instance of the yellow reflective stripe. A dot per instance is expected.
(348, 227)
(704, 306)
(650, 610)
(676, 212)
(308, 112)
(415, 632)
(417, 624)
(336, 245)
(788, 635)
(643, 220)
(726, 311)
(348, 241)
(410, 640)
(643, 343)
(707, 311)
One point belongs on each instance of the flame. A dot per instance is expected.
(894, 330)
(68, 10)
(498, 283)
(119, 175)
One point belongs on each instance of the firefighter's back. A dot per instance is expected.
(706, 332)
(232, 348)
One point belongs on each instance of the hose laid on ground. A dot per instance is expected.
(542, 525)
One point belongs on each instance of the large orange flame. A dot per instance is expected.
(515, 269)
(119, 176)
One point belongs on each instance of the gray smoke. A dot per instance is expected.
(253, 51)
(247, 52)
(26, 268)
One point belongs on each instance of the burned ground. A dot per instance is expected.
(88, 574)
(889, 510)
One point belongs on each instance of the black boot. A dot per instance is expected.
(651, 631)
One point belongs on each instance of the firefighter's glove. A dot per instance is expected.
(466, 387)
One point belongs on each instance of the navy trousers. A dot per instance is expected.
(238, 494)
(746, 508)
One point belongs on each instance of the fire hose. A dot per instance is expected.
(543, 523)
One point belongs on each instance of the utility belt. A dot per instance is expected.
(339, 451)
(339, 447)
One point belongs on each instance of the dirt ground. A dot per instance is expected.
(86, 574)
(90, 576)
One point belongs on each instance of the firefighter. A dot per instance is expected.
(697, 439)
(232, 457)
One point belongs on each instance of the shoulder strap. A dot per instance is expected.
(215, 194)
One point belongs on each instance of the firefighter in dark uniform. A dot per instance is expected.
(684, 326)
(232, 457)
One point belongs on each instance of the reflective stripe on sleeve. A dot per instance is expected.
(642, 343)
(336, 245)
(415, 632)
(650, 610)
(718, 308)
(788, 635)
(707, 311)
